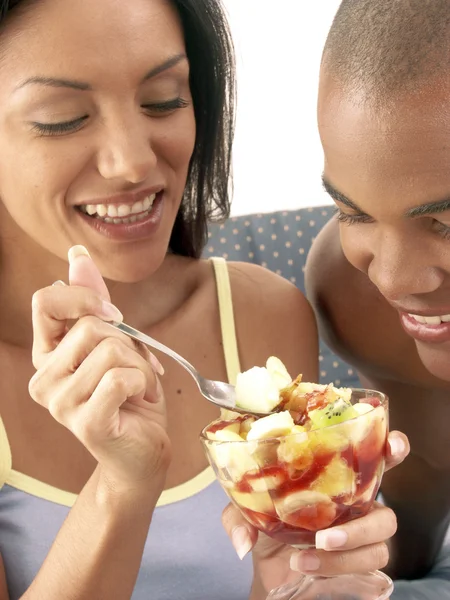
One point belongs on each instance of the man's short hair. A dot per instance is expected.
(385, 46)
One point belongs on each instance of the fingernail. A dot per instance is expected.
(329, 540)
(397, 446)
(77, 251)
(111, 312)
(241, 541)
(156, 364)
(304, 561)
(58, 283)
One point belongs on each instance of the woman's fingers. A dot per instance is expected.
(361, 560)
(84, 272)
(398, 449)
(76, 386)
(242, 534)
(378, 525)
(98, 417)
(54, 306)
(357, 546)
(83, 338)
(110, 354)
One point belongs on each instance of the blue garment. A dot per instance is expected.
(187, 555)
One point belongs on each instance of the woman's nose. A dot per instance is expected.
(127, 153)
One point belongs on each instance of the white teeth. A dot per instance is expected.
(431, 320)
(109, 213)
(124, 210)
(148, 202)
(137, 208)
(112, 210)
(418, 318)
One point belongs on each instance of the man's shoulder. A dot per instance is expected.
(341, 295)
(329, 274)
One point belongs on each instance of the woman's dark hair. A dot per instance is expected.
(210, 52)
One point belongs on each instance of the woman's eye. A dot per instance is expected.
(162, 108)
(58, 128)
(343, 217)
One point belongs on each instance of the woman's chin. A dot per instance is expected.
(436, 359)
(129, 271)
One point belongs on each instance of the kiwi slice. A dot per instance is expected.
(336, 412)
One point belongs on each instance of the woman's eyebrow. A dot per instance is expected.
(84, 86)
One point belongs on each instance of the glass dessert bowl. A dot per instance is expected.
(316, 462)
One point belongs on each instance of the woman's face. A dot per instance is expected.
(388, 171)
(96, 117)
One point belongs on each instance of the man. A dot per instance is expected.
(379, 273)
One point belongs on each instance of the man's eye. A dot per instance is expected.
(343, 217)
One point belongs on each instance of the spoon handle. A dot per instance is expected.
(149, 341)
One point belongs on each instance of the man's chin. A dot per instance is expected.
(436, 359)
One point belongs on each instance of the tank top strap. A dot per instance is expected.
(5, 456)
(227, 323)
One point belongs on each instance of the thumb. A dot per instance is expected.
(83, 272)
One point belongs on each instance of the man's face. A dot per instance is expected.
(387, 167)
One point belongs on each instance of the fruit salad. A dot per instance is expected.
(316, 461)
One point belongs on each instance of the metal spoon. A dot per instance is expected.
(219, 393)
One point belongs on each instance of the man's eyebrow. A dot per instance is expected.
(338, 196)
(83, 86)
(431, 208)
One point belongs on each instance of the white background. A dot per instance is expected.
(278, 159)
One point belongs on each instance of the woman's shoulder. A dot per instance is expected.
(273, 317)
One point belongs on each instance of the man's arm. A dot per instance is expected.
(3, 587)
(418, 490)
(359, 325)
(434, 587)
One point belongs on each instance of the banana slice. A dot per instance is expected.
(232, 427)
(256, 391)
(278, 372)
(272, 426)
(226, 435)
(362, 408)
(260, 502)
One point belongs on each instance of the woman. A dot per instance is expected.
(116, 124)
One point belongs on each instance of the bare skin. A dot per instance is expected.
(377, 264)
(187, 410)
(116, 143)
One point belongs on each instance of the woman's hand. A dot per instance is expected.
(96, 381)
(356, 547)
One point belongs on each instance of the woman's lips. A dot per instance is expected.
(140, 229)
